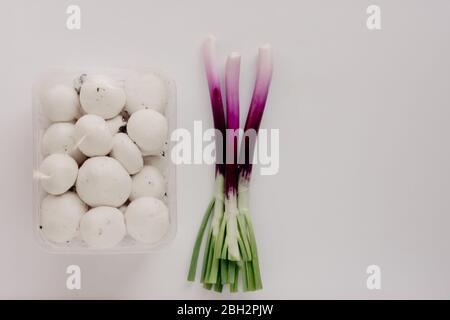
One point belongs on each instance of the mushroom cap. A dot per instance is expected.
(93, 136)
(147, 91)
(60, 138)
(102, 181)
(102, 227)
(100, 95)
(60, 103)
(127, 153)
(149, 129)
(60, 216)
(149, 182)
(58, 173)
(147, 219)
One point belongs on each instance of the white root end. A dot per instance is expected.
(234, 55)
(265, 63)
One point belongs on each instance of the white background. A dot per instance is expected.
(364, 122)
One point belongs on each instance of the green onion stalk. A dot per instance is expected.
(216, 206)
(251, 128)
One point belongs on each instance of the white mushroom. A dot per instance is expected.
(102, 181)
(147, 219)
(127, 153)
(58, 173)
(60, 216)
(102, 227)
(60, 138)
(115, 124)
(101, 96)
(149, 182)
(146, 91)
(149, 129)
(60, 103)
(93, 136)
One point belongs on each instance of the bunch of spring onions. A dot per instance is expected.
(230, 248)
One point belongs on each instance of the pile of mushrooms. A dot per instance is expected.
(102, 160)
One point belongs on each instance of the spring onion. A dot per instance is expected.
(230, 247)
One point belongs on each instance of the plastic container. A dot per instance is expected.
(41, 123)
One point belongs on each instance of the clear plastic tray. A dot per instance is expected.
(40, 123)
